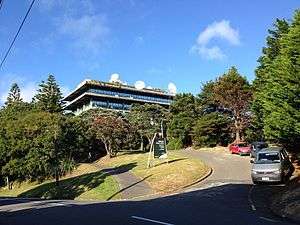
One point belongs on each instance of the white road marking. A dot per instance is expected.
(268, 219)
(149, 220)
(57, 204)
(250, 199)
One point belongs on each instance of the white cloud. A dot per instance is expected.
(221, 30)
(76, 25)
(139, 40)
(210, 53)
(47, 4)
(87, 32)
(68, 6)
(139, 84)
(172, 88)
(28, 90)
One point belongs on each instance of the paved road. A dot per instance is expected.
(226, 197)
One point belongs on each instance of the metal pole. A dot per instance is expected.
(150, 152)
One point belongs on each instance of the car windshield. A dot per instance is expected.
(266, 157)
(242, 145)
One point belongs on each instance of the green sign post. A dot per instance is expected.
(160, 150)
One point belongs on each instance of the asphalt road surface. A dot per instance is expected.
(227, 197)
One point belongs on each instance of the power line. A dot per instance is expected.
(1, 3)
(12, 43)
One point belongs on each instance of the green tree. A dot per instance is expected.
(146, 120)
(49, 96)
(212, 129)
(14, 95)
(9, 140)
(205, 102)
(233, 92)
(182, 117)
(281, 95)
(35, 145)
(112, 130)
(263, 74)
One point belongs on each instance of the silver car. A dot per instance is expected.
(271, 165)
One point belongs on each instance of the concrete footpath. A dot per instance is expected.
(131, 186)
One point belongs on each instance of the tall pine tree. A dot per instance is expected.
(269, 53)
(281, 94)
(14, 95)
(49, 96)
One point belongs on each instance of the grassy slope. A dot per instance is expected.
(163, 177)
(85, 183)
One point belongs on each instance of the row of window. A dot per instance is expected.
(111, 105)
(134, 96)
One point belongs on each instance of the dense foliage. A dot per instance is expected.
(277, 85)
(182, 118)
(212, 129)
(146, 120)
(233, 92)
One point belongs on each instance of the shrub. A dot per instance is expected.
(175, 144)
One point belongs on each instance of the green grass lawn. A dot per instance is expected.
(85, 183)
(164, 177)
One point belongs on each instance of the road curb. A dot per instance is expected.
(206, 175)
(178, 191)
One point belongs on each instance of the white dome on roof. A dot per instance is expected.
(139, 85)
(172, 88)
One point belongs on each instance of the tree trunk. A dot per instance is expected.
(56, 177)
(142, 143)
(150, 141)
(8, 183)
(237, 131)
(107, 150)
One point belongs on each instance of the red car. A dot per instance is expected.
(241, 149)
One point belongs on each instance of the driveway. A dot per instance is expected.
(227, 168)
(227, 197)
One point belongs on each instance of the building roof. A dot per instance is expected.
(76, 92)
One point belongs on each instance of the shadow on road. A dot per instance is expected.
(73, 187)
(222, 205)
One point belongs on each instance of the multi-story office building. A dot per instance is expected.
(96, 94)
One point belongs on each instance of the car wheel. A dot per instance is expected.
(255, 182)
(284, 179)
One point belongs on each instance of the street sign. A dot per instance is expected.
(160, 150)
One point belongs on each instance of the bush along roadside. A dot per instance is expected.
(287, 202)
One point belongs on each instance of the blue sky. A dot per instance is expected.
(156, 41)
